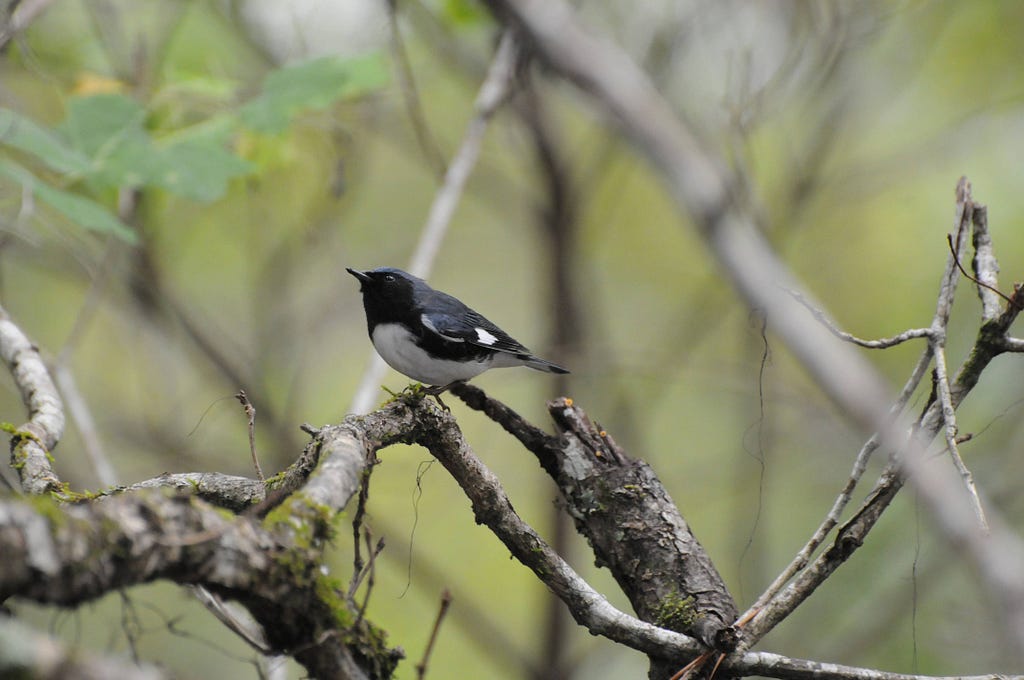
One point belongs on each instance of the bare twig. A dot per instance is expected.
(1013, 344)
(78, 408)
(950, 432)
(491, 96)
(368, 573)
(778, 666)
(803, 557)
(775, 604)
(250, 412)
(421, 667)
(235, 619)
(367, 567)
(411, 96)
(957, 242)
(882, 343)
(81, 415)
(981, 284)
(357, 525)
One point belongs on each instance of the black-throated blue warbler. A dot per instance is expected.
(433, 337)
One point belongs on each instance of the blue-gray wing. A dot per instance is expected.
(471, 328)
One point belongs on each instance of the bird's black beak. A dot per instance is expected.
(362, 276)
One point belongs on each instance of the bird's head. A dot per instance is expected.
(387, 291)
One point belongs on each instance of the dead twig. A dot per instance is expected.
(250, 412)
(882, 343)
(446, 601)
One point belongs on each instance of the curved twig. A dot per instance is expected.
(33, 441)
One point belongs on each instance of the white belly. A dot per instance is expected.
(397, 347)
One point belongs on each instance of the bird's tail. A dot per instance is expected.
(539, 364)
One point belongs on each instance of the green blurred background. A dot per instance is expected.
(248, 192)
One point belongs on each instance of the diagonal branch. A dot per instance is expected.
(627, 516)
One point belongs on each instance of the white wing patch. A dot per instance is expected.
(484, 338)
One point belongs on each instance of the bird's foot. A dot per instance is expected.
(436, 390)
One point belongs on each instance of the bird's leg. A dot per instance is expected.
(436, 390)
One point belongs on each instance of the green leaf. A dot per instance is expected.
(80, 210)
(311, 85)
(199, 169)
(26, 135)
(108, 128)
(194, 163)
(96, 122)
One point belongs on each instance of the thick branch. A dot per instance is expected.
(629, 519)
(68, 554)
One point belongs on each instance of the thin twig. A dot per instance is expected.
(411, 96)
(882, 343)
(446, 601)
(368, 573)
(775, 604)
(78, 408)
(250, 412)
(238, 620)
(357, 523)
(978, 282)
(81, 414)
(965, 217)
(803, 557)
(492, 95)
(950, 432)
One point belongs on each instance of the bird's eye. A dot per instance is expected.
(389, 277)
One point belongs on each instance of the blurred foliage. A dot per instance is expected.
(227, 160)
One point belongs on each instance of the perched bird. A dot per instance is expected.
(431, 336)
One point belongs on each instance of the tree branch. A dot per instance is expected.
(702, 188)
(626, 514)
(32, 442)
